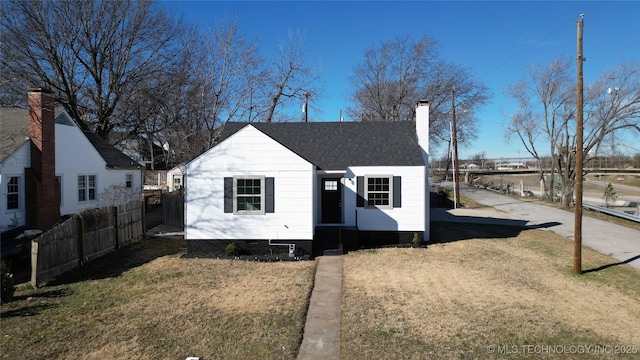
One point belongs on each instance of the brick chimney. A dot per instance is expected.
(43, 189)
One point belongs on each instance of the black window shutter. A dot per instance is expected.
(360, 191)
(269, 195)
(228, 194)
(397, 192)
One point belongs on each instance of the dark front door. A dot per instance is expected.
(331, 201)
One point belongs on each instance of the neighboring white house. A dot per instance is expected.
(175, 177)
(289, 182)
(87, 172)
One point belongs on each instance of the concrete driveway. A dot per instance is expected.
(622, 243)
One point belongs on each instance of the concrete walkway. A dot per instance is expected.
(321, 338)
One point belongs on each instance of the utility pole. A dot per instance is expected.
(454, 141)
(306, 107)
(577, 249)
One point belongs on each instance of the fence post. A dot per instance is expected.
(114, 212)
(80, 239)
(34, 263)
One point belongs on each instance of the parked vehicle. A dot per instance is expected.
(527, 193)
(16, 242)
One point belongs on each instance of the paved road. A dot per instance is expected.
(620, 242)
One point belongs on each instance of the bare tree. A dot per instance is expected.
(396, 74)
(92, 54)
(229, 67)
(545, 117)
(291, 78)
(543, 111)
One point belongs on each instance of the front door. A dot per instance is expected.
(331, 199)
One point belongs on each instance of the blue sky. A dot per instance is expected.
(496, 40)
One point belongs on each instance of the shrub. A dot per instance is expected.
(231, 250)
(7, 283)
(416, 240)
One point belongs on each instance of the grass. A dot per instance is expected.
(455, 299)
(147, 302)
(474, 287)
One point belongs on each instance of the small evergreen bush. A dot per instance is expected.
(231, 250)
(416, 240)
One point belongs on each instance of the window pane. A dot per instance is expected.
(81, 188)
(248, 187)
(331, 185)
(378, 199)
(378, 184)
(248, 203)
(92, 187)
(13, 193)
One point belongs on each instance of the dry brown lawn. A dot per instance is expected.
(478, 296)
(147, 302)
(452, 299)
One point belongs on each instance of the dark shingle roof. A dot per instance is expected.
(338, 145)
(14, 130)
(114, 158)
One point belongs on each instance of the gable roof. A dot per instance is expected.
(14, 126)
(14, 130)
(338, 145)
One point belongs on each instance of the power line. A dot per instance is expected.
(528, 48)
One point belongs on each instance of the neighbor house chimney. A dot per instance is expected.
(422, 127)
(43, 189)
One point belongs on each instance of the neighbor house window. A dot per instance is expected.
(249, 195)
(13, 193)
(378, 191)
(86, 187)
(129, 180)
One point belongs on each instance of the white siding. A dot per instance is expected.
(411, 216)
(177, 171)
(249, 152)
(13, 165)
(75, 155)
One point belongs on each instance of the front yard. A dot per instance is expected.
(488, 297)
(146, 302)
(483, 292)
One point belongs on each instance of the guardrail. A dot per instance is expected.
(608, 211)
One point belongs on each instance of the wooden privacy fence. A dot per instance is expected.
(173, 209)
(85, 237)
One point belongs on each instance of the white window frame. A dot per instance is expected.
(389, 192)
(236, 195)
(128, 181)
(18, 193)
(87, 188)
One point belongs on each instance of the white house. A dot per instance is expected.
(50, 166)
(290, 183)
(175, 177)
